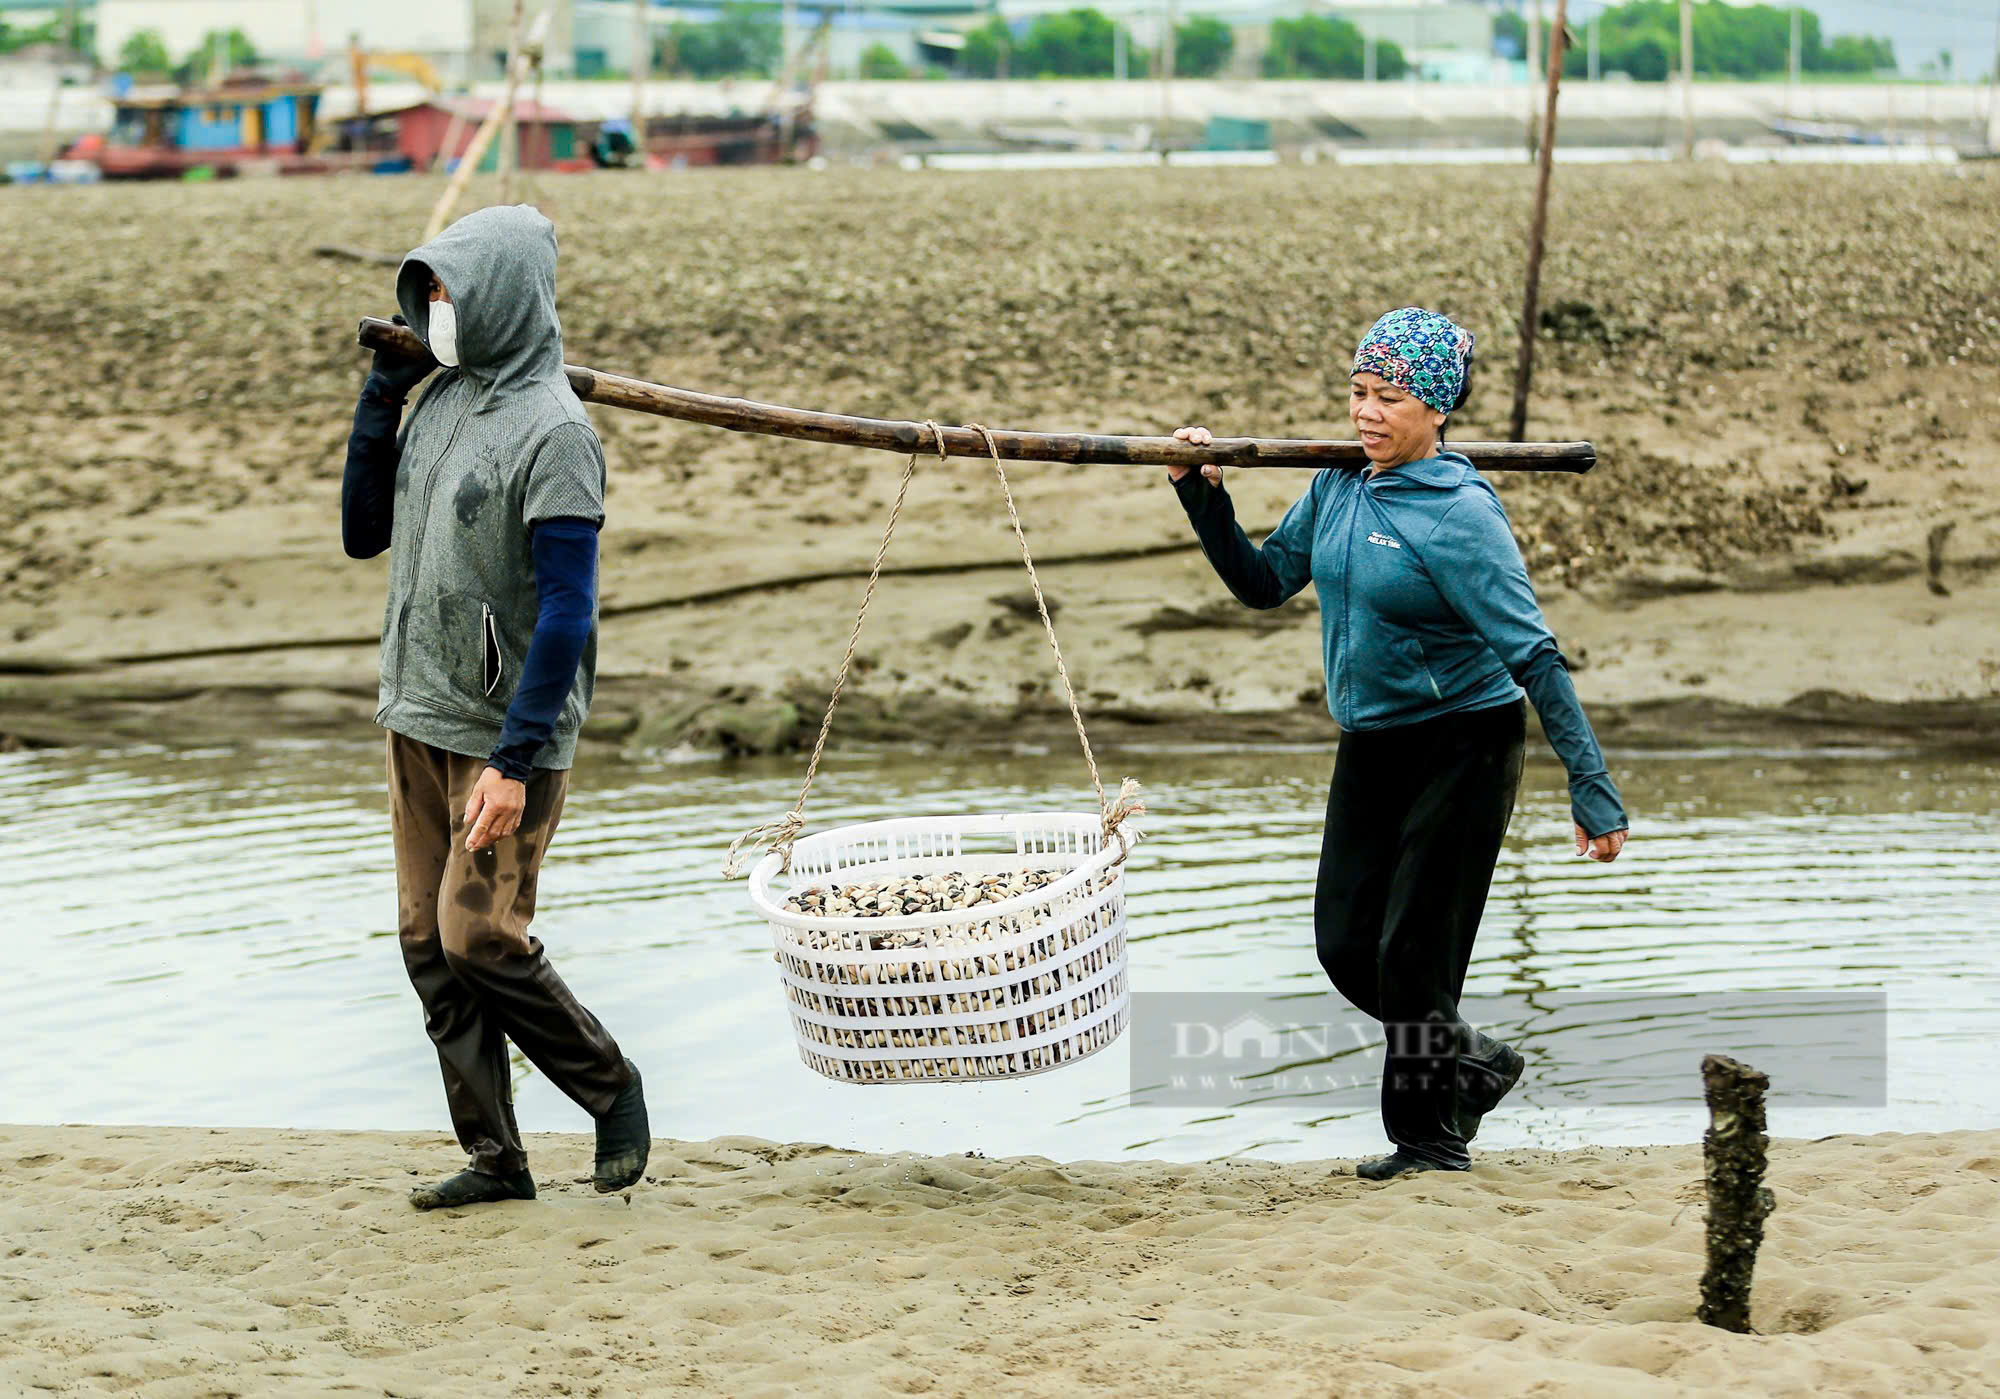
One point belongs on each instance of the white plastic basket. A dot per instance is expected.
(1003, 989)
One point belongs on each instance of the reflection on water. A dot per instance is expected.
(207, 937)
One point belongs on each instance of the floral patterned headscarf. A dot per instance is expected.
(1420, 352)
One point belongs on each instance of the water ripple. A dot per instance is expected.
(218, 925)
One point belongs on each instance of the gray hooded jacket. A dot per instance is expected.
(497, 445)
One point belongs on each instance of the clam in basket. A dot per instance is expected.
(951, 949)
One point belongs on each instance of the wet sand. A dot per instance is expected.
(178, 1261)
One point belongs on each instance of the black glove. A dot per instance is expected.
(397, 373)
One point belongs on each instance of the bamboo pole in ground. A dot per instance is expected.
(51, 143)
(1538, 230)
(510, 125)
(642, 70)
(774, 420)
(1687, 79)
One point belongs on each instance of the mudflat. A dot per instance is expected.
(1789, 374)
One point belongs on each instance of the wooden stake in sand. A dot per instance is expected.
(1538, 227)
(1738, 1199)
(774, 420)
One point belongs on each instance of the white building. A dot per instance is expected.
(40, 67)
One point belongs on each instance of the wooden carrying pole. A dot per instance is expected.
(1538, 230)
(773, 420)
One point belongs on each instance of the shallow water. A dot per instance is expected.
(207, 937)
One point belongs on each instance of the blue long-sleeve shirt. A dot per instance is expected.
(1425, 605)
(564, 551)
(368, 484)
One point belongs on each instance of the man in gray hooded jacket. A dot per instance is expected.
(489, 500)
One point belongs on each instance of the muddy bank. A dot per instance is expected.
(1791, 538)
(634, 719)
(1884, 664)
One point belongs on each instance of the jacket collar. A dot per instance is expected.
(1444, 472)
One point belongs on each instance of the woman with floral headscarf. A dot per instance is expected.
(1431, 634)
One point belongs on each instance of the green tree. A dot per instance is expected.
(743, 40)
(1510, 34)
(1647, 58)
(12, 39)
(1323, 46)
(878, 60)
(1642, 38)
(1853, 53)
(1203, 47)
(1073, 44)
(1389, 61)
(144, 51)
(233, 46)
(988, 50)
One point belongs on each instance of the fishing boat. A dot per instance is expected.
(247, 125)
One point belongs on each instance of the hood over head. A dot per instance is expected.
(499, 268)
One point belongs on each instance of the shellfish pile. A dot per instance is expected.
(998, 982)
(912, 894)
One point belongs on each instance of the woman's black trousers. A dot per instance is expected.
(1414, 823)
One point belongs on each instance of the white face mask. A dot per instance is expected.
(444, 333)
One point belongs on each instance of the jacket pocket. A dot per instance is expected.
(464, 664)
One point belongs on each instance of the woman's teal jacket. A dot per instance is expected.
(1425, 605)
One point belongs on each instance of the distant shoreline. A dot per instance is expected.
(106, 708)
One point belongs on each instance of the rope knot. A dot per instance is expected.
(1128, 803)
(778, 835)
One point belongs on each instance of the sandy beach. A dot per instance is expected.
(177, 1262)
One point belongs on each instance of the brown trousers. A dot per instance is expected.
(483, 979)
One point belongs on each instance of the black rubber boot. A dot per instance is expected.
(624, 1138)
(1399, 1164)
(473, 1188)
(1480, 1089)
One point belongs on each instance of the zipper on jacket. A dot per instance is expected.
(1347, 605)
(417, 549)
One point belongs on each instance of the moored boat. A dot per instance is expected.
(241, 126)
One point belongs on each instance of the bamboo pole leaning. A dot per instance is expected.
(482, 138)
(510, 122)
(1081, 449)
